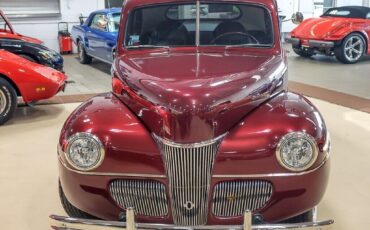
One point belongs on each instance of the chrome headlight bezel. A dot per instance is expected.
(92, 138)
(294, 135)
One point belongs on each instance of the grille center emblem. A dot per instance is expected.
(189, 205)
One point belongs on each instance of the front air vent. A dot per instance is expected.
(233, 198)
(147, 197)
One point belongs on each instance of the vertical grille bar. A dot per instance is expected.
(233, 198)
(189, 169)
(148, 198)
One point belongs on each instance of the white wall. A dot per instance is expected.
(349, 2)
(46, 29)
(288, 7)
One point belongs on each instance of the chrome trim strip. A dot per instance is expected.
(67, 223)
(275, 174)
(191, 145)
(197, 24)
(128, 175)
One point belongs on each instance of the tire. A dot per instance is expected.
(71, 210)
(302, 53)
(308, 216)
(82, 55)
(8, 101)
(348, 55)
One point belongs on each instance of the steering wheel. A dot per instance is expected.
(250, 38)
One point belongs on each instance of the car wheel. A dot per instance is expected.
(8, 101)
(82, 55)
(308, 216)
(71, 210)
(351, 50)
(302, 53)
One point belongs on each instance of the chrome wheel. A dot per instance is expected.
(354, 48)
(3, 102)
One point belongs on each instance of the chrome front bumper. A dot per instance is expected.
(68, 223)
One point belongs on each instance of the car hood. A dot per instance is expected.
(193, 97)
(16, 36)
(318, 28)
(25, 65)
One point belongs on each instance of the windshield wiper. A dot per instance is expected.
(147, 47)
(247, 45)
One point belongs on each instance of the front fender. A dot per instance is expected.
(129, 146)
(250, 147)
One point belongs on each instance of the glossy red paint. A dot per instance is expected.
(139, 154)
(198, 104)
(33, 81)
(11, 34)
(198, 93)
(332, 29)
(189, 95)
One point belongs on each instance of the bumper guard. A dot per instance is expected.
(68, 223)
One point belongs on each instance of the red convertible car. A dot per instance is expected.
(20, 77)
(343, 32)
(199, 132)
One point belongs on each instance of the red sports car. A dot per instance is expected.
(8, 31)
(200, 131)
(31, 81)
(343, 32)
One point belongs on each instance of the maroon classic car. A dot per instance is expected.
(200, 131)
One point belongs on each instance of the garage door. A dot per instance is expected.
(27, 8)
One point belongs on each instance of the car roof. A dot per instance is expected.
(110, 10)
(362, 11)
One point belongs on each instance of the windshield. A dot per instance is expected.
(114, 22)
(220, 24)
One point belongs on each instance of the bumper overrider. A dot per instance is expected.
(67, 223)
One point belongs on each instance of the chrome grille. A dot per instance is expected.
(189, 170)
(233, 198)
(147, 197)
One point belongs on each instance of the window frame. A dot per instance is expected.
(197, 38)
(99, 28)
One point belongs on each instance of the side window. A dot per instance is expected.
(368, 16)
(100, 22)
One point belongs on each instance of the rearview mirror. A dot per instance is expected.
(297, 18)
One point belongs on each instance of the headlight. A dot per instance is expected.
(84, 151)
(297, 151)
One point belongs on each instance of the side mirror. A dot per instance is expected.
(297, 18)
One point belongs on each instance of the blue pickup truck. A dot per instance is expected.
(97, 36)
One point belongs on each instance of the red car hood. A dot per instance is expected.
(194, 97)
(10, 35)
(318, 28)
